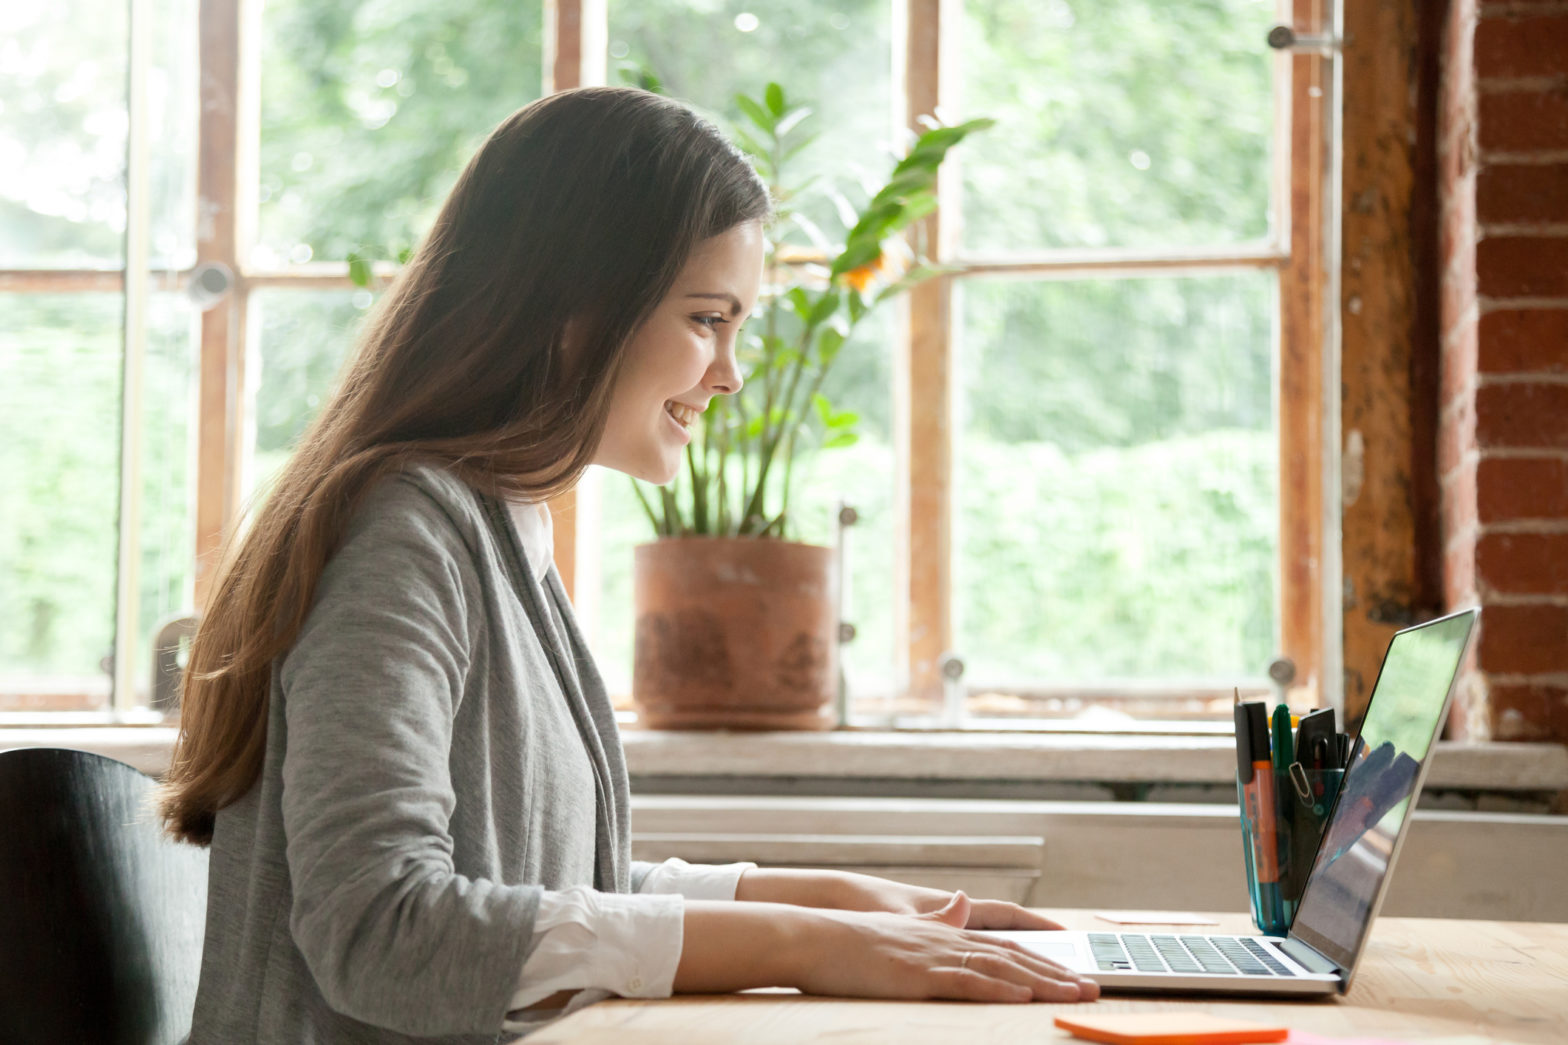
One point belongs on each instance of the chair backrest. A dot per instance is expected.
(101, 914)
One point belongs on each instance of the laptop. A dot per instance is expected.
(1350, 874)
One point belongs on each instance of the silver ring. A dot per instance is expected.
(963, 963)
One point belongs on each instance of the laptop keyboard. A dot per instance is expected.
(1222, 955)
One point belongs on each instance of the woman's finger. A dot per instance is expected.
(999, 914)
(970, 985)
(1044, 967)
(1042, 986)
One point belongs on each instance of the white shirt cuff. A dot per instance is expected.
(601, 945)
(695, 881)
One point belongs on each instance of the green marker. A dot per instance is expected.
(1283, 749)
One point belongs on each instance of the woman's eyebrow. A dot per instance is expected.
(734, 301)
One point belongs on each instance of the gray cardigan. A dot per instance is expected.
(440, 749)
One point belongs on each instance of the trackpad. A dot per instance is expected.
(1048, 945)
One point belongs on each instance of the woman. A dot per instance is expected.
(394, 738)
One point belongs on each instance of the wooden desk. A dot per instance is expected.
(1421, 979)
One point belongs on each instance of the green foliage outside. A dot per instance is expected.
(1116, 446)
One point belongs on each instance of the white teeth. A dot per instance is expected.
(682, 413)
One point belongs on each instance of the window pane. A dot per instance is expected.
(62, 136)
(60, 354)
(1117, 480)
(302, 339)
(173, 104)
(371, 108)
(1119, 122)
(833, 56)
(170, 375)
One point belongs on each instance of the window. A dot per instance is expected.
(1080, 445)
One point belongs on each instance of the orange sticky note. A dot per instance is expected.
(1169, 1028)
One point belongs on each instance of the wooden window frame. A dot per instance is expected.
(926, 36)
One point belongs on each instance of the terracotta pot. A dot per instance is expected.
(734, 633)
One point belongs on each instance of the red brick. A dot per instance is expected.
(1459, 231)
(1459, 509)
(1511, 489)
(1461, 351)
(1523, 563)
(1530, 46)
(1522, 121)
(1456, 435)
(1458, 292)
(1523, 415)
(1527, 639)
(1525, 711)
(1513, 192)
(1459, 574)
(1522, 266)
(1523, 341)
(1455, 154)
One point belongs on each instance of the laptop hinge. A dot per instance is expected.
(1306, 957)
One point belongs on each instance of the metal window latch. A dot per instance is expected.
(951, 666)
(846, 517)
(1284, 38)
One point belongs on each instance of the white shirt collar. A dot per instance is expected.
(536, 530)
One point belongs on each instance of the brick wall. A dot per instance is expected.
(1503, 422)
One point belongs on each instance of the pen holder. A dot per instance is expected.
(1281, 826)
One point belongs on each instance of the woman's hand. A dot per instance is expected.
(847, 891)
(865, 955)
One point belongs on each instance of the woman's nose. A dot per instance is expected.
(723, 377)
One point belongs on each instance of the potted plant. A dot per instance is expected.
(735, 618)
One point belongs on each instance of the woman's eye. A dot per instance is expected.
(710, 322)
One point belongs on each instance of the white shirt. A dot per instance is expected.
(605, 944)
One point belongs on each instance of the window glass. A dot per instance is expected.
(832, 56)
(1120, 122)
(62, 135)
(370, 109)
(173, 106)
(60, 354)
(170, 388)
(1117, 480)
(301, 340)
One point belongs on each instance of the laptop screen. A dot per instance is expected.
(1404, 716)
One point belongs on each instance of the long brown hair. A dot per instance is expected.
(582, 207)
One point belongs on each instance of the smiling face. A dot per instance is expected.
(682, 356)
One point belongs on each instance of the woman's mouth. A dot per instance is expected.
(683, 414)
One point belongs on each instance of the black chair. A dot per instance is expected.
(101, 914)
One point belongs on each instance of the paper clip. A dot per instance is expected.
(1298, 777)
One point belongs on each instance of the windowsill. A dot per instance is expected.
(919, 757)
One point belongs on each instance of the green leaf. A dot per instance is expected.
(751, 144)
(359, 270)
(824, 408)
(756, 113)
(831, 340)
(857, 308)
(906, 184)
(855, 255)
(404, 255)
(826, 305)
(795, 150)
(790, 120)
(774, 96)
(840, 439)
(799, 301)
(842, 419)
(914, 210)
